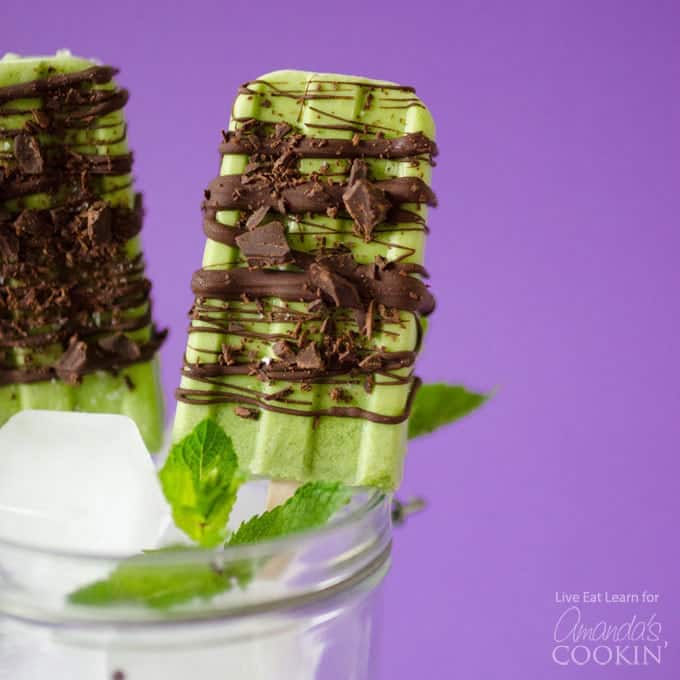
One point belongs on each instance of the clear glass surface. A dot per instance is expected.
(309, 613)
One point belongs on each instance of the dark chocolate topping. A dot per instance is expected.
(341, 304)
(408, 146)
(229, 192)
(28, 155)
(65, 82)
(335, 279)
(66, 279)
(366, 202)
(265, 245)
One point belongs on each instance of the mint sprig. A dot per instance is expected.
(200, 480)
(312, 505)
(439, 404)
(142, 580)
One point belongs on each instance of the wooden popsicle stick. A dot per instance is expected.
(279, 492)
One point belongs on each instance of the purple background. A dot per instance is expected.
(555, 258)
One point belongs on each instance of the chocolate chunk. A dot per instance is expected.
(309, 357)
(34, 223)
(339, 289)
(281, 130)
(338, 394)
(367, 204)
(228, 355)
(265, 245)
(9, 247)
(283, 351)
(251, 167)
(256, 217)
(42, 120)
(279, 395)
(317, 307)
(359, 170)
(99, 220)
(368, 324)
(72, 362)
(28, 155)
(243, 412)
(120, 345)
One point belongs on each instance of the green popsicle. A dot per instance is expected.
(75, 316)
(308, 310)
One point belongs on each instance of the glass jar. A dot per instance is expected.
(307, 613)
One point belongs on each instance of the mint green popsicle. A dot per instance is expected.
(63, 147)
(348, 138)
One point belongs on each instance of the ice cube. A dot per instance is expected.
(79, 482)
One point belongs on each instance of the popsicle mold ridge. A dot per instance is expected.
(307, 316)
(76, 331)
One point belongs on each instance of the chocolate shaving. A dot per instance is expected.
(358, 171)
(365, 202)
(247, 413)
(338, 394)
(99, 218)
(27, 154)
(228, 355)
(256, 217)
(368, 323)
(121, 346)
(281, 130)
(34, 224)
(283, 351)
(70, 365)
(9, 247)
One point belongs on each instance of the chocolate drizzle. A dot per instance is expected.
(229, 192)
(253, 141)
(337, 279)
(69, 291)
(325, 306)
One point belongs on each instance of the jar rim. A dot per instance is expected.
(37, 584)
(374, 499)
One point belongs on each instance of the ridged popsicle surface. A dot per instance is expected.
(75, 317)
(307, 318)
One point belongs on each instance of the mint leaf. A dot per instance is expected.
(141, 581)
(312, 506)
(200, 480)
(439, 404)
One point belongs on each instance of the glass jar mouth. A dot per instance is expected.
(37, 584)
(363, 503)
